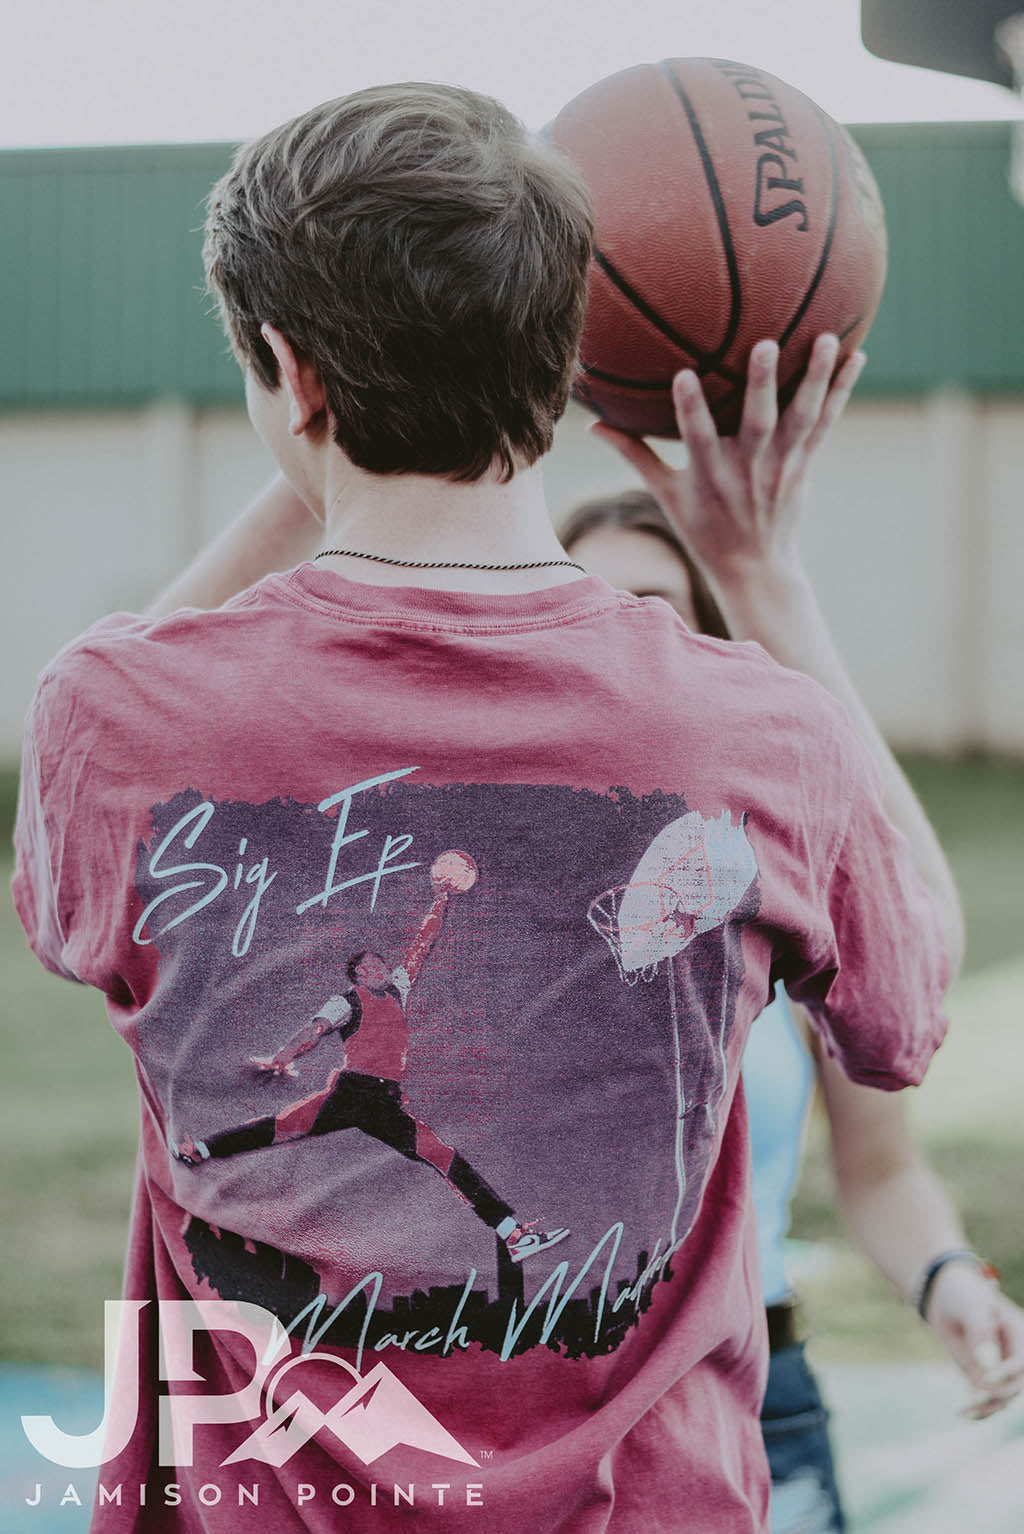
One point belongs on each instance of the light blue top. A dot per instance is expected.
(777, 1077)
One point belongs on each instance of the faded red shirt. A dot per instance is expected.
(583, 843)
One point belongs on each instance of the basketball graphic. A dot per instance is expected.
(454, 871)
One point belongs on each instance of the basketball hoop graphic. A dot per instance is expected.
(693, 874)
(603, 916)
(655, 915)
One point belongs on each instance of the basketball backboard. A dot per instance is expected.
(955, 36)
(983, 39)
(688, 880)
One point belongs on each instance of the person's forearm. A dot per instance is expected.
(902, 1221)
(275, 532)
(898, 1212)
(779, 609)
(303, 1040)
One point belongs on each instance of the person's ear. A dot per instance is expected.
(307, 399)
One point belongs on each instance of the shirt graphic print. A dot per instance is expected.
(441, 1058)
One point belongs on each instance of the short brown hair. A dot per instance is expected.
(639, 511)
(428, 256)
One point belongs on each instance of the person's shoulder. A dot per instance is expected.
(742, 671)
(783, 695)
(73, 671)
(110, 669)
(795, 730)
(122, 638)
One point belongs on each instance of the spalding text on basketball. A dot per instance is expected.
(772, 177)
(769, 185)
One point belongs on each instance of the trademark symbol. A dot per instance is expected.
(486, 1454)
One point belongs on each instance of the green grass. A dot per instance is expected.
(68, 1125)
(68, 1120)
(976, 804)
(8, 800)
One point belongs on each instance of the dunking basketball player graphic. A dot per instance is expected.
(365, 1092)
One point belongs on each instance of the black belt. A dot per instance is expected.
(785, 1325)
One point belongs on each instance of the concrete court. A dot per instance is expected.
(908, 1464)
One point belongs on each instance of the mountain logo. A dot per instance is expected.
(376, 1414)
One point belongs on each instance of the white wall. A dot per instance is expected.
(99, 509)
(914, 538)
(999, 516)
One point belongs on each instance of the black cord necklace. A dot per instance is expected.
(444, 564)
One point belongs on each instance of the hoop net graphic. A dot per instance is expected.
(603, 916)
(687, 882)
(670, 898)
(664, 932)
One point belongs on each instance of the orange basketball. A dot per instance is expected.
(729, 208)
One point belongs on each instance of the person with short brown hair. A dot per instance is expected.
(428, 257)
(386, 679)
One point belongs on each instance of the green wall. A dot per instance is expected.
(101, 286)
(953, 310)
(101, 278)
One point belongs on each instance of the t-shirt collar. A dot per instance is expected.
(427, 606)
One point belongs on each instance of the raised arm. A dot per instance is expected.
(737, 507)
(405, 974)
(275, 532)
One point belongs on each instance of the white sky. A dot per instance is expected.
(133, 71)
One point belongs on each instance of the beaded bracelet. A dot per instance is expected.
(935, 1267)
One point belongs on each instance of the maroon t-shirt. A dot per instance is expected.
(580, 844)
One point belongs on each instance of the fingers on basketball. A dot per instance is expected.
(453, 871)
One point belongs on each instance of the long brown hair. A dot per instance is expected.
(638, 511)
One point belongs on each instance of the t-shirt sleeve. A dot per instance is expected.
(55, 829)
(37, 839)
(876, 969)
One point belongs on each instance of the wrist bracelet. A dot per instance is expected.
(935, 1267)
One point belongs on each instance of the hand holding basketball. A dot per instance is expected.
(737, 503)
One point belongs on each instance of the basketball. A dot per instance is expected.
(453, 871)
(730, 208)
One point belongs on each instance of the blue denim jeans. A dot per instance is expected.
(794, 1422)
